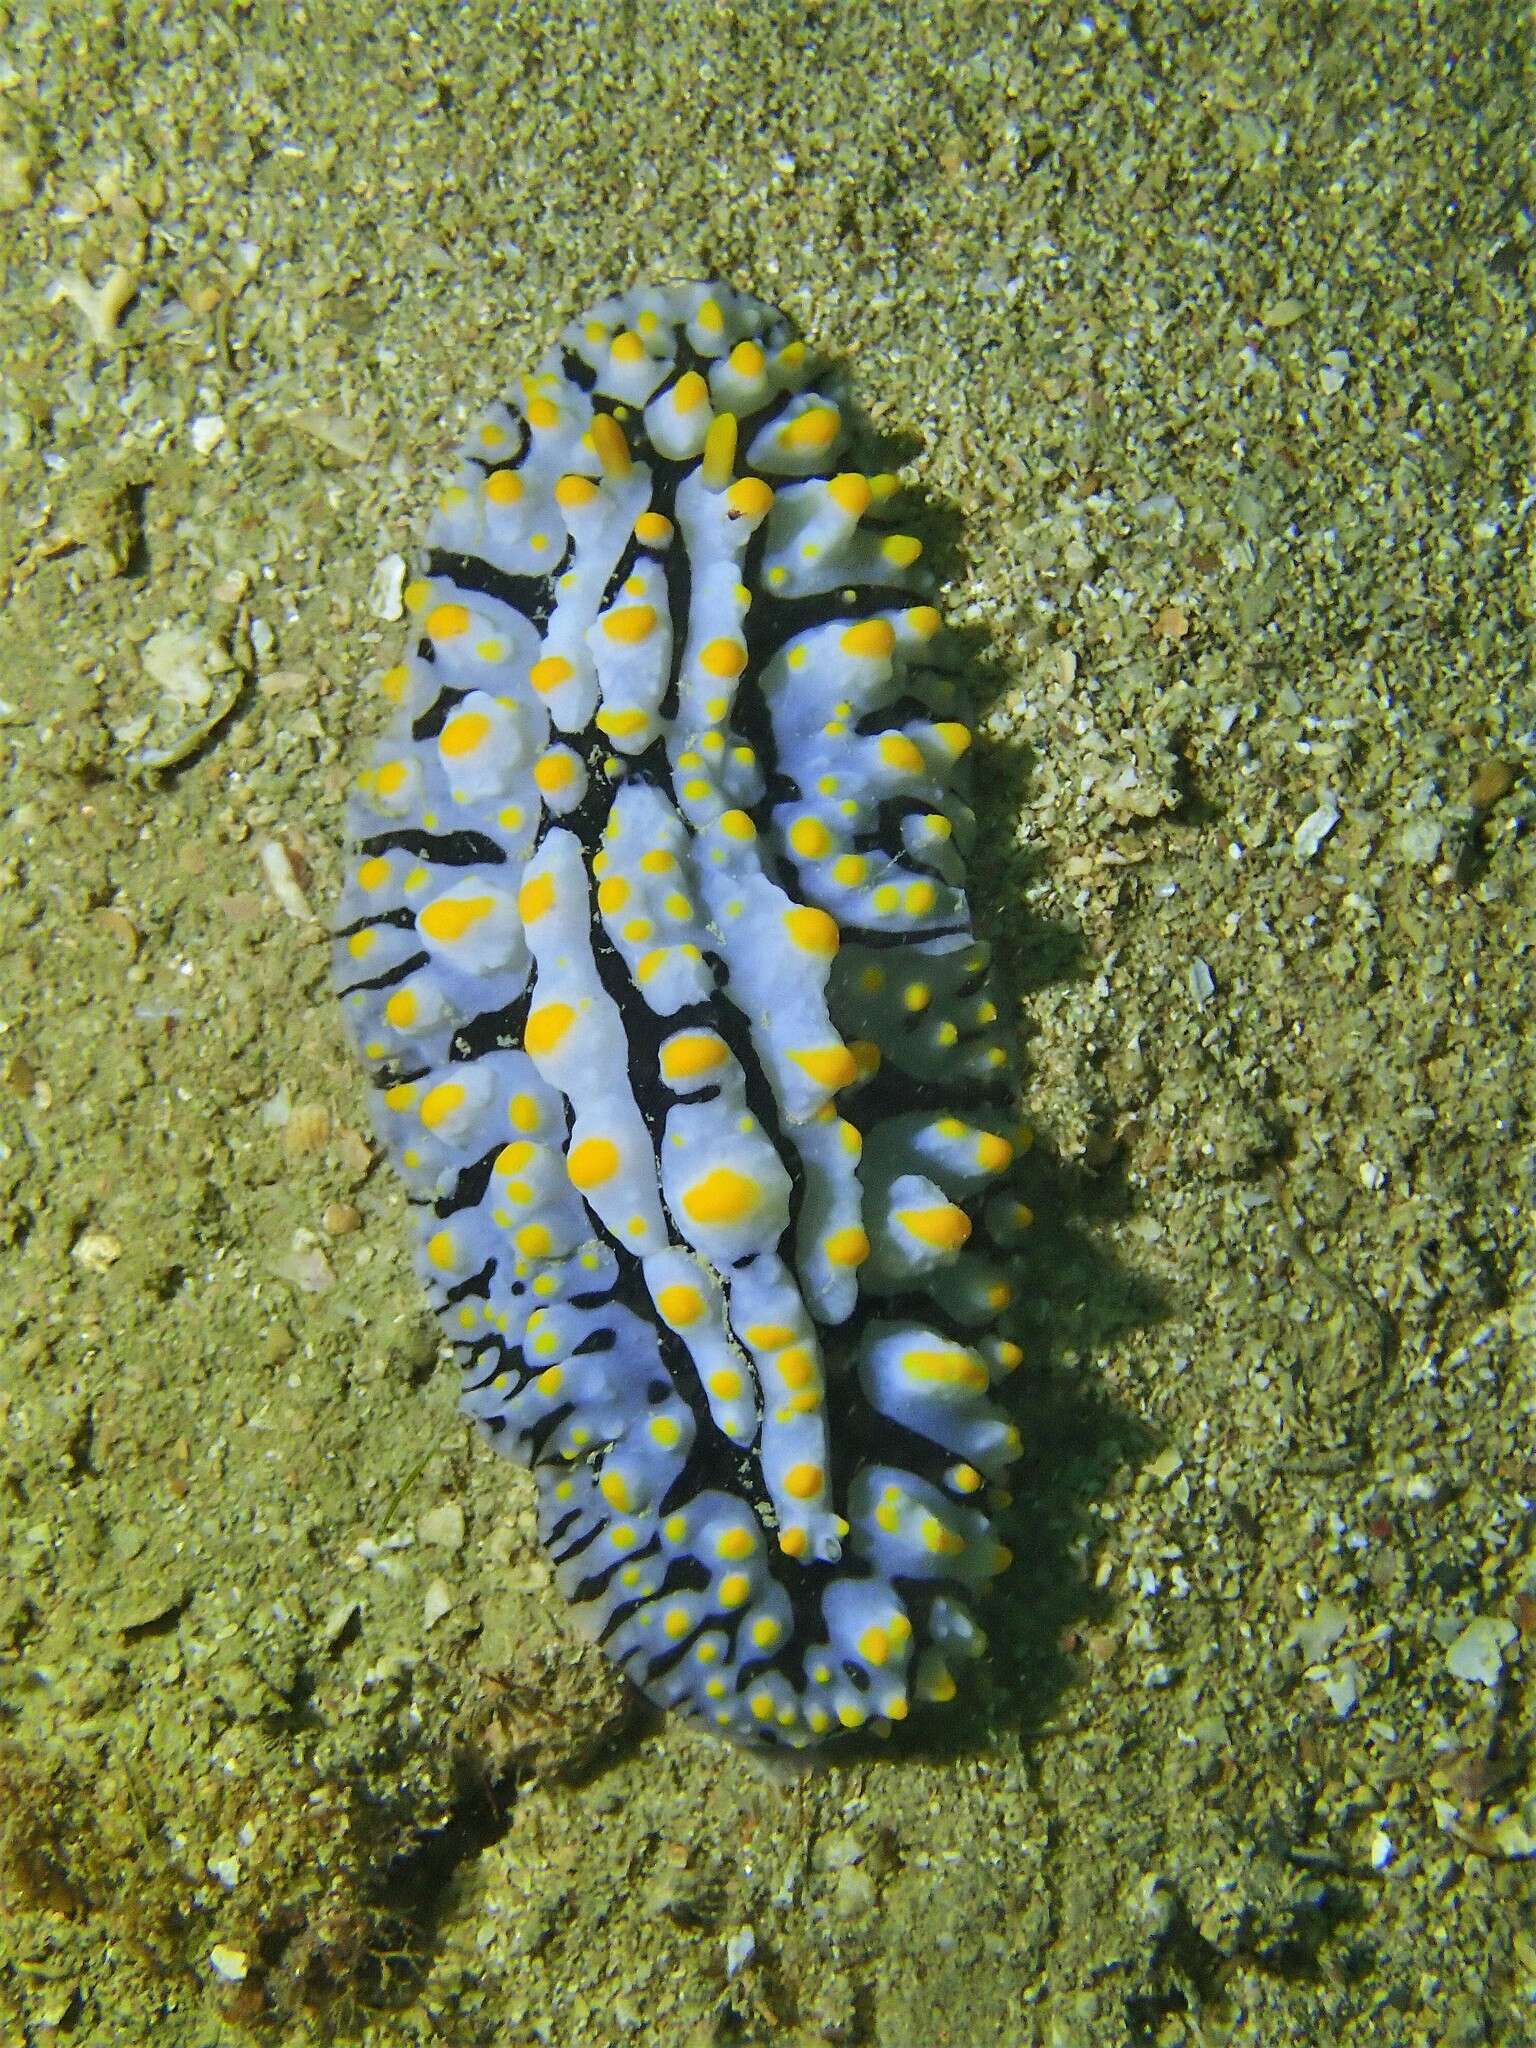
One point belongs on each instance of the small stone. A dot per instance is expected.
(386, 587)
(442, 1526)
(1477, 1655)
(340, 1219)
(1321, 1630)
(96, 1250)
(436, 1603)
(232, 1964)
(740, 1948)
(1314, 829)
(307, 1130)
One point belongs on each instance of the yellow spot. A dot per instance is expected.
(550, 673)
(524, 1113)
(810, 431)
(725, 1383)
(829, 1066)
(953, 736)
(504, 487)
(735, 1589)
(941, 1540)
(546, 1027)
(612, 894)
(676, 1622)
(803, 1482)
(850, 493)
(813, 931)
(872, 638)
(657, 862)
(612, 450)
(400, 1010)
(392, 778)
(851, 1715)
(664, 1431)
(690, 392)
(620, 725)
(447, 622)
(395, 682)
(535, 897)
(692, 1053)
(737, 825)
(675, 904)
(628, 348)
(680, 1304)
(441, 1103)
(747, 359)
(874, 1646)
(464, 733)
(709, 316)
(441, 1250)
(901, 550)
(886, 897)
(902, 754)
(554, 772)
(592, 1162)
(952, 1367)
(849, 869)
(765, 1632)
(722, 1196)
(719, 452)
(924, 621)
(630, 623)
(543, 414)
(944, 1226)
(723, 657)
(796, 1367)
(573, 491)
(920, 898)
(993, 1153)
(533, 1240)
(792, 1541)
(653, 529)
(551, 1380)
(917, 995)
(846, 1247)
(749, 498)
(810, 838)
(614, 1488)
(361, 944)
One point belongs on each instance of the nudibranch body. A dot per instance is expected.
(657, 943)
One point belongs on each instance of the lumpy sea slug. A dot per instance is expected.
(656, 942)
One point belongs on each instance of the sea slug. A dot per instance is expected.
(657, 945)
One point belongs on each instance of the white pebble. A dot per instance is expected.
(1477, 1655)
(1314, 828)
